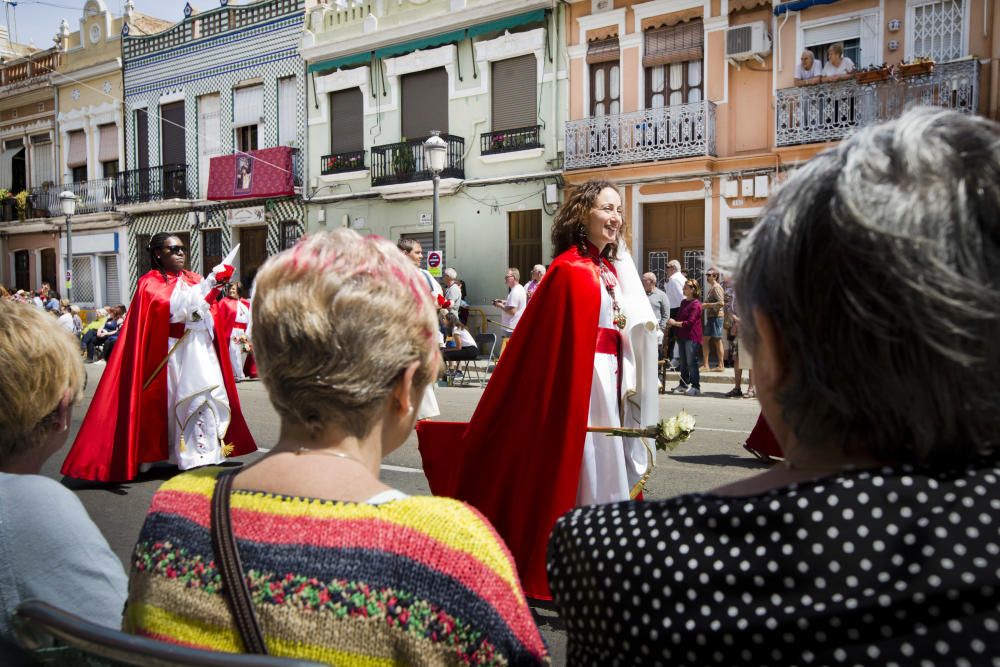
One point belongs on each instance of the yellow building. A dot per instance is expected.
(692, 106)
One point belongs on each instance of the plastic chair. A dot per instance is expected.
(38, 625)
(487, 344)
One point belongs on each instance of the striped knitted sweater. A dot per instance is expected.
(415, 581)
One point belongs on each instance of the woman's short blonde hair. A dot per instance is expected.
(337, 319)
(39, 361)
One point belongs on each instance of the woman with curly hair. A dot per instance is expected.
(540, 458)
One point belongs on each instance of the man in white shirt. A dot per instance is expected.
(674, 287)
(838, 66)
(415, 252)
(452, 290)
(517, 299)
(808, 71)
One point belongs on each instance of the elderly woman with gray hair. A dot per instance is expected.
(869, 294)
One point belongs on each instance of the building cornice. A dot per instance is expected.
(74, 76)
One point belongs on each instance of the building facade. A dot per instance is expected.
(490, 77)
(693, 108)
(215, 120)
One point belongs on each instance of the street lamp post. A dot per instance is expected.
(68, 201)
(435, 154)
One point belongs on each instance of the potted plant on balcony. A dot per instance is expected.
(920, 65)
(21, 201)
(403, 163)
(872, 73)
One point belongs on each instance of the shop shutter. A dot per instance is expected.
(515, 87)
(425, 103)
(172, 134)
(347, 121)
(112, 286)
(674, 44)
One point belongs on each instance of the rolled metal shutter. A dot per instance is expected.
(347, 122)
(515, 91)
(425, 103)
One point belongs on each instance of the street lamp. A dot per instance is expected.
(435, 154)
(68, 201)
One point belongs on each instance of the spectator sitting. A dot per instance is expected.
(66, 317)
(838, 66)
(52, 551)
(112, 338)
(383, 577)
(465, 345)
(53, 304)
(808, 71)
(89, 340)
(877, 541)
(108, 334)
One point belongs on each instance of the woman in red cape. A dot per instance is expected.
(232, 315)
(129, 422)
(524, 465)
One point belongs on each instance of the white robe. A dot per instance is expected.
(199, 413)
(237, 354)
(611, 466)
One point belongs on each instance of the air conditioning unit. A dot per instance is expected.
(746, 42)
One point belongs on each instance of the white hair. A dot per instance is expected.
(674, 264)
(539, 268)
(451, 273)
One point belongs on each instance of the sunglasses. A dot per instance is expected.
(173, 249)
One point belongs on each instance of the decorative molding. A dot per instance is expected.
(602, 20)
(417, 189)
(100, 69)
(342, 80)
(176, 96)
(442, 56)
(647, 10)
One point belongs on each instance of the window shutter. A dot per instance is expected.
(871, 48)
(108, 151)
(515, 93)
(841, 31)
(347, 126)
(77, 156)
(674, 44)
(112, 286)
(142, 139)
(172, 134)
(286, 111)
(603, 51)
(425, 103)
(248, 106)
(208, 124)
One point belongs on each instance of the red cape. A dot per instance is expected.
(762, 440)
(126, 426)
(518, 461)
(224, 314)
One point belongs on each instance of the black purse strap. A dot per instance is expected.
(227, 559)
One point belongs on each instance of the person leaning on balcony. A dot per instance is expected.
(877, 539)
(808, 71)
(838, 66)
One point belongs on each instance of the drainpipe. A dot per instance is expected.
(781, 60)
(555, 83)
(995, 68)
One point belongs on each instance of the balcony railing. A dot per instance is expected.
(404, 162)
(680, 130)
(506, 141)
(153, 184)
(830, 111)
(30, 67)
(339, 163)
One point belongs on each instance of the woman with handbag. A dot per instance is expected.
(332, 564)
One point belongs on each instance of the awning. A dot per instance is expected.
(799, 5)
(7, 167)
(449, 37)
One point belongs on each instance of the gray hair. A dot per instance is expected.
(539, 268)
(674, 264)
(879, 264)
(451, 273)
(807, 52)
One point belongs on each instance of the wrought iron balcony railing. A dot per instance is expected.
(169, 181)
(339, 163)
(506, 141)
(680, 130)
(830, 111)
(404, 162)
(91, 197)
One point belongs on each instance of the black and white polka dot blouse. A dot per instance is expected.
(893, 566)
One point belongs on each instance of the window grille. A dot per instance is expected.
(936, 29)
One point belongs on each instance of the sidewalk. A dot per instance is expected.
(727, 376)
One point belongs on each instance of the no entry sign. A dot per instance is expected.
(434, 263)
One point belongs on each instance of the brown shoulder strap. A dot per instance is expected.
(227, 559)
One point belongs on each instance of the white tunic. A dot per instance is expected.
(199, 413)
(611, 465)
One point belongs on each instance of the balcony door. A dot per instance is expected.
(253, 252)
(172, 151)
(672, 59)
(48, 267)
(425, 103)
(677, 229)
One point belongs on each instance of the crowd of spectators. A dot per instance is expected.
(874, 543)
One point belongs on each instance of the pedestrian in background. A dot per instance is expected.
(537, 273)
(512, 307)
(714, 308)
(674, 289)
(452, 290)
(661, 308)
(688, 326)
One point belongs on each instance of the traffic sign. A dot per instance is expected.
(434, 263)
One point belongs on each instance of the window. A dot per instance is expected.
(605, 77)
(738, 229)
(524, 245)
(41, 160)
(936, 29)
(142, 138)
(248, 114)
(852, 50)
(111, 287)
(22, 273)
(425, 103)
(291, 232)
(246, 138)
(209, 137)
(286, 112)
(515, 86)
(79, 174)
(211, 249)
(347, 129)
(13, 174)
(673, 64)
(107, 153)
(860, 37)
(83, 279)
(76, 156)
(110, 169)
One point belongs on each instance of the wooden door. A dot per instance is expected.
(49, 273)
(677, 229)
(253, 252)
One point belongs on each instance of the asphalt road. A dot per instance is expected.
(711, 457)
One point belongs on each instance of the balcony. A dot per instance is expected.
(151, 184)
(831, 111)
(404, 162)
(677, 131)
(508, 141)
(340, 163)
(33, 68)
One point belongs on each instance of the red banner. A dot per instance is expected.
(263, 173)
